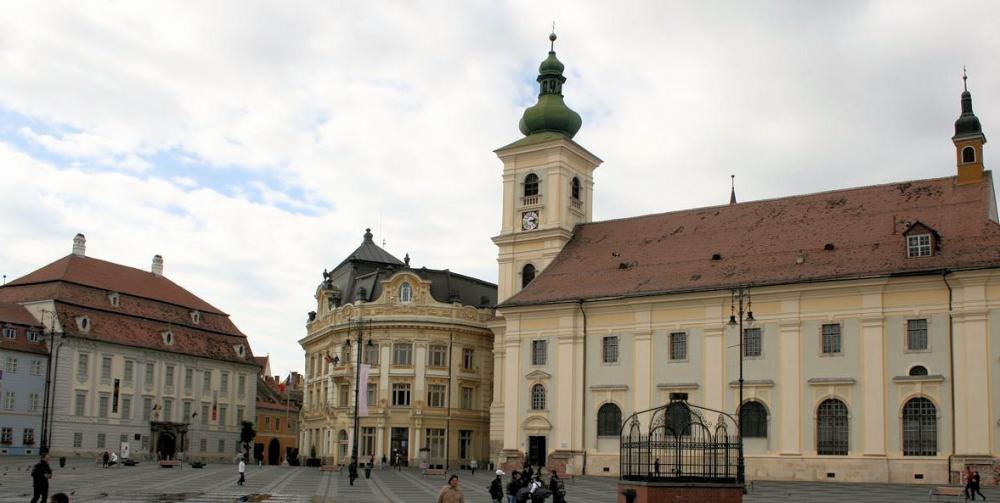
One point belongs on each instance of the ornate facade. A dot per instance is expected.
(425, 337)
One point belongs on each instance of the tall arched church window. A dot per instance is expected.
(531, 185)
(968, 155)
(405, 293)
(609, 420)
(919, 428)
(753, 420)
(575, 188)
(538, 397)
(527, 274)
(832, 428)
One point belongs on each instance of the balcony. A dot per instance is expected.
(535, 200)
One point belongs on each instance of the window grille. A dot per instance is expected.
(531, 185)
(832, 428)
(753, 420)
(678, 346)
(752, 343)
(609, 420)
(610, 349)
(538, 397)
(918, 370)
(919, 428)
(539, 352)
(831, 339)
(916, 335)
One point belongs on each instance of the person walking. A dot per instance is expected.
(382, 467)
(557, 488)
(105, 458)
(40, 476)
(450, 493)
(974, 486)
(368, 469)
(352, 470)
(473, 465)
(243, 471)
(513, 486)
(968, 482)
(496, 488)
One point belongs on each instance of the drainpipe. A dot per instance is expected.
(951, 365)
(583, 404)
(451, 390)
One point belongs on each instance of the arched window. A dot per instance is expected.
(968, 155)
(919, 428)
(678, 419)
(531, 185)
(753, 420)
(609, 420)
(918, 370)
(527, 274)
(832, 428)
(405, 293)
(575, 188)
(538, 397)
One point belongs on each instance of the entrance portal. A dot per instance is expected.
(536, 450)
(166, 446)
(274, 452)
(400, 445)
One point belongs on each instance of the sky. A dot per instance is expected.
(251, 143)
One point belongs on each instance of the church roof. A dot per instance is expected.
(841, 234)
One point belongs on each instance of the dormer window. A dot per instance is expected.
(9, 333)
(405, 293)
(195, 317)
(83, 323)
(114, 299)
(531, 185)
(968, 155)
(240, 350)
(168, 338)
(575, 188)
(918, 245)
(34, 336)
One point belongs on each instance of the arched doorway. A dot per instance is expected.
(166, 446)
(274, 452)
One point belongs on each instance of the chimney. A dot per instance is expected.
(157, 265)
(80, 246)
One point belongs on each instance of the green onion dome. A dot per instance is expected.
(550, 114)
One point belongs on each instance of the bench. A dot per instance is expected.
(170, 463)
(434, 471)
(949, 493)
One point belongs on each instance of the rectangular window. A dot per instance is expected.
(8, 400)
(222, 445)
(468, 358)
(145, 442)
(147, 408)
(148, 383)
(82, 362)
(539, 352)
(224, 382)
(465, 444)
(204, 413)
(203, 445)
(188, 379)
(437, 356)
(372, 394)
(34, 402)
(401, 394)
(467, 398)
(241, 385)
(36, 367)
(371, 354)
(206, 382)
(609, 349)
(435, 395)
(7, 436)
(78, 439)
(402, 354)
(168, 379)
(11, 366)
(916, 335)
(126, 408)
(80, 405)
(277, 424)
(367, 441)
(34, 336)
(168, 409)
(344, 391)
(29, 436)
(679, 346)
(9, 332)
(102, 405)
(752, 344)
(435, 442)
(831, 339)
(105, 369)
(102, 439)
(919, 245)
(267, 423)
(222, 416)
(129, 369)
(239, 415)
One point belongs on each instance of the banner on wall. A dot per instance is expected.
(363, 391)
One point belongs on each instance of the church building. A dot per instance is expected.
(870, 316)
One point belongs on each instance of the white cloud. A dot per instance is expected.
(386, 115)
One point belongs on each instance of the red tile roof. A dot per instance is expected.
(116, 278)
(17, 317)
(771, 242)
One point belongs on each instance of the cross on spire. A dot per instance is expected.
(965, 79)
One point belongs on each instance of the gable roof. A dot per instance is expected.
(771, 242)
(113, 277)
(16, 317)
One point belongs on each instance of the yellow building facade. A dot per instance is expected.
(872, 355)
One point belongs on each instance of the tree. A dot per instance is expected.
(247, 434)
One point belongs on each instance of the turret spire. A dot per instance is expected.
(732, 189)
(968, 139)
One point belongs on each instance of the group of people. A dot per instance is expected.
(352, 469)
(40, 475)
(527, 485)
(109, 458)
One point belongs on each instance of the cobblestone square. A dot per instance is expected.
(147, 482)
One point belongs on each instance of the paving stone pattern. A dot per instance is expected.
(217, 483)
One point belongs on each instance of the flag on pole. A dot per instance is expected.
(363, 392)
(281, 387)
(328, 359)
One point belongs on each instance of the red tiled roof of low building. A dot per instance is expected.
(841, 234)
(17, 317)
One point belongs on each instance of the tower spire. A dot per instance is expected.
(732, 189)
(965, 77)
(550, 114)
(968, 139)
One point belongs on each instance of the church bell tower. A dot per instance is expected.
(969, 140)
(548, 183)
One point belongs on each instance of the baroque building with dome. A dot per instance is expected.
(871, 352)
(428, 357)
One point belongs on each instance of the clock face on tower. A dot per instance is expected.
(529, 221)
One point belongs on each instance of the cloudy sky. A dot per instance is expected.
(251, 143)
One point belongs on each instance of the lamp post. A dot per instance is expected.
(360, 324)
(740, 310)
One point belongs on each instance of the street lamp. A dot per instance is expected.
(744, 312)
(360, 324)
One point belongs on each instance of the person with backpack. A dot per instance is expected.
(40, 476)
(496, 488)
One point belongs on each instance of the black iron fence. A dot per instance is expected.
(677, 443)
